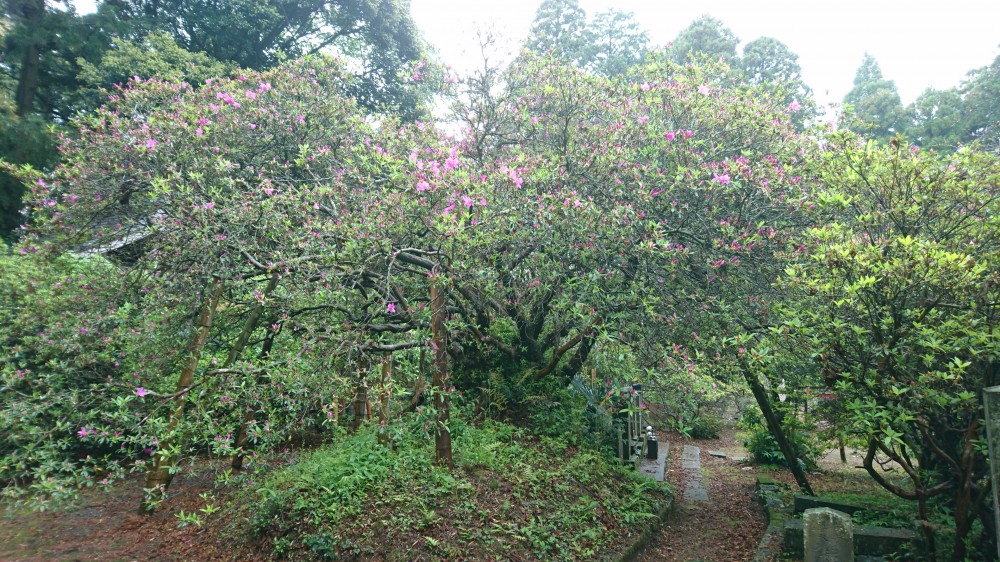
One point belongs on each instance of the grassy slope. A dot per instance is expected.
(512, 496)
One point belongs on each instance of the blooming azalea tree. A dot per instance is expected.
(272, 241)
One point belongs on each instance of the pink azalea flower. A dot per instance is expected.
(669, 136)
(150, 144)
(83, 432)
(209, 206)
(251, 94)
(467, 201)
(723, 179)
(391, 308)
(704, 90)
(794, 106)
(199, 131)
(423, 186)
(140, 392)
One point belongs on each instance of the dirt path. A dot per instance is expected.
(729, 525)
(106, 527)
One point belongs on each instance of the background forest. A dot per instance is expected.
(235, 226)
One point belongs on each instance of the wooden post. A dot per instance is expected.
(442, 403)
(159, 475)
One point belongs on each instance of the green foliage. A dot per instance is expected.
(379, 37)
(609, 44)
(45, 48)
(936, 120)
(619, 42)
(875, 102)
(155, 56)
(980, 94)
(561, 413)
(895, 300)
(705, 426)
(560, 28)
(511, 496)
(706, 36)
(27, 140)
(764, 449)
(770, 62)
(60, 369)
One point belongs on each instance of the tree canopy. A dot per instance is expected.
(609, 44)
(706, 35)
(875, 101)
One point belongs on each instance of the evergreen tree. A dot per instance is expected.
(982, 106)
(936, 119)
(769, 61)
(619, 42)
(42, 52)
(875, 101)
(560, 26)
(378, 35)
(708, 36)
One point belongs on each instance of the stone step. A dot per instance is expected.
(656, 468)
(691, 458)
(694, 489)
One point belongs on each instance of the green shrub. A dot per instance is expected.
(763, 447)
(705, 426)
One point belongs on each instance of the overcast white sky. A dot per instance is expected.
(916, 46)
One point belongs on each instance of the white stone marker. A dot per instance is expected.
(829, 535)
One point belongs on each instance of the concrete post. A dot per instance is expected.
(991, 400)
(828, 535)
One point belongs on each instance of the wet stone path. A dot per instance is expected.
(694, 488)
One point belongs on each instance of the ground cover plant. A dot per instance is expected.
(511, 496)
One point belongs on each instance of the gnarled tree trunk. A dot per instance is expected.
(159, 473)
(774, 425)
(442, 403)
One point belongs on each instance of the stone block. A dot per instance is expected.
(881, 541)
(868, 541)
(803, 502)
(828, 535)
